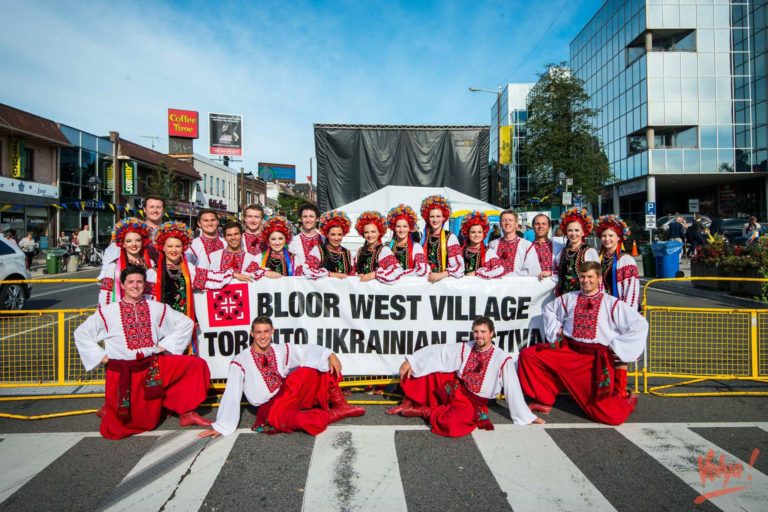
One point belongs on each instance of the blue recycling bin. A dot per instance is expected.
(667, 258)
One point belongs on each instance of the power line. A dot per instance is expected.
(546, 33)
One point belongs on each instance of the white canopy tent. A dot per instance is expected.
(384, 199)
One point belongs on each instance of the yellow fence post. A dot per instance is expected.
(753, 342)
(60, 347)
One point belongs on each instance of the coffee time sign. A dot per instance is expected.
(183, 123)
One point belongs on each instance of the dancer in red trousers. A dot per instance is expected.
(146, 373)
(587, 331)
(450, 385)
(296, 387)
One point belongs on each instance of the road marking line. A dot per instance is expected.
(25, 455)
(355, 469)
(35, 296)
(678, 449)
(535, 473)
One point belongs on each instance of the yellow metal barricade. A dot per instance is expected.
(704, 344)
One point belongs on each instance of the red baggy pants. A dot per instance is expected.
(185, 385)
(545, 372)
(452, 414)
(301, 403)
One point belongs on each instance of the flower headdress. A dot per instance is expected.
(432, 202)
(130, 225)
(402, 211)
(579, 215)
(173, 229)
(475, 218)
(371, 217)
(334, 218)
(615, 224)
(278, 223)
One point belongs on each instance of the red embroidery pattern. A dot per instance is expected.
(419, 259)
(626, 272)
(104, 320)
(313, 262)
(454, 250)
(473, 374)
(201, 276)
(544, 252)
(267, 365)
(107, 284)
(251, 268)
(388, 261)
(238, 365)
(162, 318)
(507, 250)
(252, 242)
(137, 325)
(211, 244)
(308, 243)
(585, 316)
(232, 260)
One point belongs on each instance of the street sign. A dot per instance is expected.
(650, 208)
(650, 221)
(567, 198)
(693, 205)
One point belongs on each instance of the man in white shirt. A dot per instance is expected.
(209, 241)
(146, 372)
(544, 253)
(308, 238)
(295, 387)
(252, 240)
(511, 250)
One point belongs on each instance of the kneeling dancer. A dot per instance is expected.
(296, 387)
(587, 330)
(146, 373)
(450, 385)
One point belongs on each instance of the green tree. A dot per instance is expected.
(560, 137)
(287, 205)
(162, 181)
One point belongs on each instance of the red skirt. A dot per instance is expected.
(454, 410)
(545, 372)
(185, 382)
(301, 403)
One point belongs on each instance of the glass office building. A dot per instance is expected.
(509, 187)
(676, 85)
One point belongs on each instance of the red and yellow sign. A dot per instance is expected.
(182, 123)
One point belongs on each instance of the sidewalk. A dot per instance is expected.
(38, 269)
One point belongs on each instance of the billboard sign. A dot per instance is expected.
(129, 178)
(283, 173)
(226, 134)
(183, 123)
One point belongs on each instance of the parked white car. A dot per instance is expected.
(13, 266)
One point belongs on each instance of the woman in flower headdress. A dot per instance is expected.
(276, 260)
(620, 275)
(375, 260)
(620, 278)
(330, 259)
(442, 247)
(177, 278)
(576, 224)
(476, 254)
(131, 236)
(402, 221)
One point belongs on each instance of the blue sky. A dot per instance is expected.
(103, 66)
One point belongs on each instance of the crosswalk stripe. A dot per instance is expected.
(25, 455)
(354, 469)
(678, 449)
(535, 473)
(157, 475)
(202, 474)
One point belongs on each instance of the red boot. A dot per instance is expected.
(339, 413)
(192, 418)
(620, 382)
(405, 404)
(336, 396)
(416, 411)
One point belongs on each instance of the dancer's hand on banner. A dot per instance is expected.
(405, 370)
(242, 277)
(335, 365)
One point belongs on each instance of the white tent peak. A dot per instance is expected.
(392, 195)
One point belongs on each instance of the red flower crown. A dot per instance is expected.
(371, 217)
(173, 229)
(402, 211)
(334, 218)
(432, 202)
(278, 223)
(615, 224)
(475, 218)
(130, 225)
(579, 215)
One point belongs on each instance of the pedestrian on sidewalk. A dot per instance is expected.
(27, 246)
(84, 239)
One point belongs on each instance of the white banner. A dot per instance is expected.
(370, 326)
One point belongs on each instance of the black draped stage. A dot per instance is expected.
(356, 160)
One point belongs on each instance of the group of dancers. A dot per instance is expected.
(153, 270)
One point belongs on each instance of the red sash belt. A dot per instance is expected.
(153, 384)
(601, 366)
